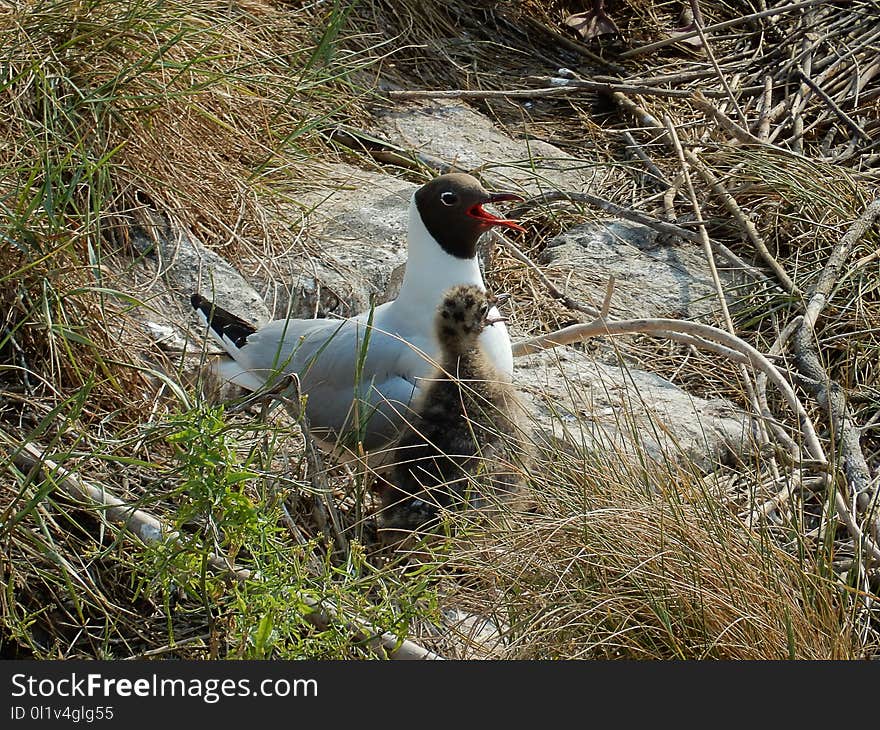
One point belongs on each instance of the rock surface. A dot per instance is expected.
(185, 266)
(654, 277)
(359, 224)
(602, 408)
(470, 636)
(461, 136)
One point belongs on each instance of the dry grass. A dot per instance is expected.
(215, 114)
(200, 110)
(642, 567)
(206, 112)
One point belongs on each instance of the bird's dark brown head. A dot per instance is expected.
(451, 207)
(462, 316)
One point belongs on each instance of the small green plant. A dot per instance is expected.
(211, 477)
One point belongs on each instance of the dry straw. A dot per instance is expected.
(218, 117)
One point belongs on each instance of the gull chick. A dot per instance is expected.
(459, 447)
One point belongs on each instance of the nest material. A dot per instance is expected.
(220, 127)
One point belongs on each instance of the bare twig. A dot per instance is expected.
(646, 220)
(553, 290)
(744, 221)
(700, 333)
(827, 393)
(479, 93)
(560, 86)
(799, 101)
(822, 290)
(717, 26)
(704, 38)
(719, 248)
(763, 438)
(637, 149)
(152, 530)
(763, 127)
(739, 133)
(842, 115)
(701, 230)
(572, 45)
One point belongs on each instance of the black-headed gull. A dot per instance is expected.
(360, 374)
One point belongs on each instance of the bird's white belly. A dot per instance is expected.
(495, 342)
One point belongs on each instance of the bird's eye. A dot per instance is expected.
(448, 198)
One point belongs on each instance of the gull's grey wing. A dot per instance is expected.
(328, 356)
(381, 407)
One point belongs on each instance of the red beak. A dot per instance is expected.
(488, 219)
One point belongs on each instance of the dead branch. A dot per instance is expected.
(831, 272)
(828, 394)
(702, 332)
(644, 219)
(717, 26)
(745, 223)
(609, 87)
(560, 87)
(717, 247)
(553, 290)
(566, 42)
(763, 438)
(719, 74)
(740, 134)
(701, 229)
(479, 93)
(151, 530)
(842, 115)
(763, 125)
(633, 146)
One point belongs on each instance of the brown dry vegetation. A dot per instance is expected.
(219, 114)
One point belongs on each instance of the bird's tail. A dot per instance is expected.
(231, 331)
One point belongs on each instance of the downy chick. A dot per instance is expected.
(458, 448)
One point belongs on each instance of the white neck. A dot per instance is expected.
(430, 271)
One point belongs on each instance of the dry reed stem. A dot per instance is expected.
(826, 391)
(641, 50)
(763, 439)
(663, 328)
(644, 219)
(744, 221)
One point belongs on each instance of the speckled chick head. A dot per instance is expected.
(462, 315)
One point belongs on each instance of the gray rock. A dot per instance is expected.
(358, 222)
(176, 258)
(587, 404)
(460, 634)
(471, 636)
(461, 136)
(654, 278)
